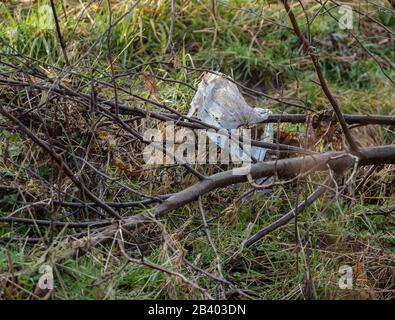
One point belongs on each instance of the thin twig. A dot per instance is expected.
(311, 51)
(210, 240)
(290, 215)
(59, 33)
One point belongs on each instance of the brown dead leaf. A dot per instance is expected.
(360, 277)
(288, 138)
(230, 212)
(10, 292)
(150, 84)
(103, 135)
(176, 62)
(127, 169)
(106, 136)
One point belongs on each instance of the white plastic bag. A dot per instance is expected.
(218, 102)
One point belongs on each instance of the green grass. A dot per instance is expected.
(255, 52)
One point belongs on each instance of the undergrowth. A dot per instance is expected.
(240, 39)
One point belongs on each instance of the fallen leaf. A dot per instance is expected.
(230, 212)
(176, 62)
(106, 136)
(151, 84)
(126, 168)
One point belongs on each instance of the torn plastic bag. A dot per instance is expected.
(218, 102)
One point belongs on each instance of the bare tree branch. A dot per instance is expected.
(311, 51)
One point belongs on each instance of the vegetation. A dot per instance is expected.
(156, 66)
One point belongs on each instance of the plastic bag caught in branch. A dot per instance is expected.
(218, 102)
